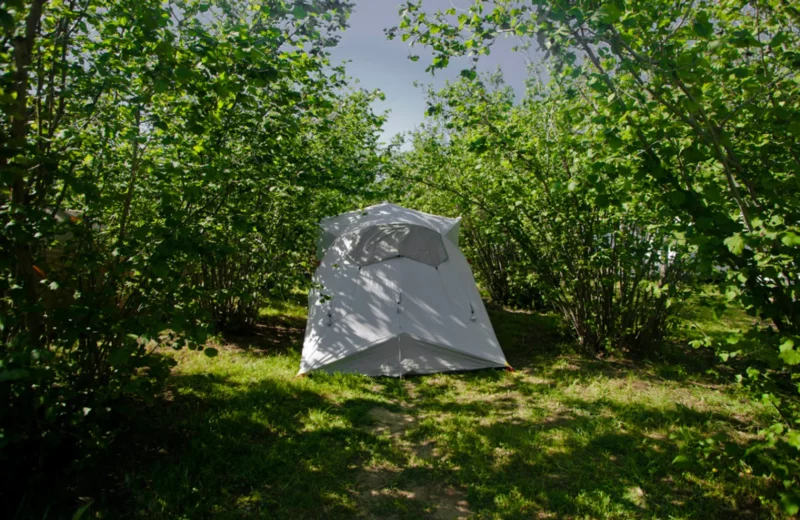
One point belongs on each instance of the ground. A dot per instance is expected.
(563, 436)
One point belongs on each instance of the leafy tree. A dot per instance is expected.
(162, 167)
(699, 102)
(523, 178)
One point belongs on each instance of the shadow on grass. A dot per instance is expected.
(216, 448)
(277, 448)
(272, 335)
(596, 459)
(533, 339)
(526, 336)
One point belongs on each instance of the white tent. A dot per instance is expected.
(394, 295)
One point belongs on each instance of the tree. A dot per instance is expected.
(578, 235)
(163, 164)
(699, 102)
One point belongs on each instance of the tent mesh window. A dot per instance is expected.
(381, 242)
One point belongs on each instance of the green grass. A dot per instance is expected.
(564, 436)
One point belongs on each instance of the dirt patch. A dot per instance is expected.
(411, 390)
(452, 506)
(443, 503)
(374, 479)
(424, 450)
(637, 496)
(379, 484)
(393, 423)
(656, 436)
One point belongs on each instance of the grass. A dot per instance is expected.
(563, 436)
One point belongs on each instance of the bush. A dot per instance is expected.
(538, 212)
(499, 267)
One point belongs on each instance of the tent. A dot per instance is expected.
(393, 295)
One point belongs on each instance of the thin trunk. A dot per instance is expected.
(23, 50)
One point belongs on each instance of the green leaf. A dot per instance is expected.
(676, 198)
(793, 438)
(790, 357)
(299, 12)
(788, 354)
(469, 74)
(14, 374)
(790, 502)
(682, 461)
(702, 26)
(613, 140)
(210, 352)
(778, 39)
(81, 511)
(608, 14)
(735, 244)
(791, 239)
(794, 128)
(478, 145)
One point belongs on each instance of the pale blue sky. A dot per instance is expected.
(379, 63)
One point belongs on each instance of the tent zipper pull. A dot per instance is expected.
(472, 310)
(399, 301)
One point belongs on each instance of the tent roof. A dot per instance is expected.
(386, 213)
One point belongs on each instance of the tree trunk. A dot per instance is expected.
(24, 269)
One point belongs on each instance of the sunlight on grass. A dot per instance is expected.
(562, 436)
(709, 313)
(294, 307)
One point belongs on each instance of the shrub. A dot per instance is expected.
(605, 258)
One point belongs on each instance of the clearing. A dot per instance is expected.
(564, 436)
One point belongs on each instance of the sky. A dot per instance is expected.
(378, 63)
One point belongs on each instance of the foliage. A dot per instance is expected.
(163, 165)
(499, 265)
(496, 262)
(578, 232)
(696, 104)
